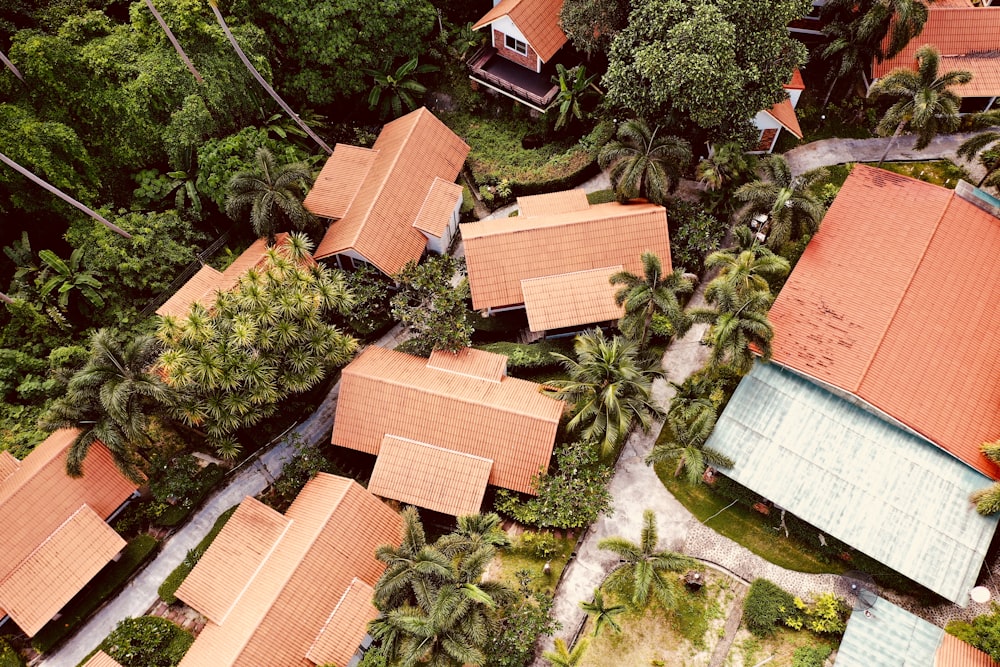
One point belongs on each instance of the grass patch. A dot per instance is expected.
(601, 196)
(168, 588)
(748, 650)
(939, 172)
(104, 585)
(520, 556)
(745, 527)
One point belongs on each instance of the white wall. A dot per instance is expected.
(441, 244)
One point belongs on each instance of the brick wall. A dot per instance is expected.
(530, 61)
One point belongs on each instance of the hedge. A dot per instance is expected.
(101, 587)
(147, 641)
(765, 606)
(168, 589)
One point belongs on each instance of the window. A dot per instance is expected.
(515, 45)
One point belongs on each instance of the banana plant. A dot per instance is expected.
(394, 89)
(68, 277)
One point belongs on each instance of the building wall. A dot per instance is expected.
(529, 61)
(441, 245)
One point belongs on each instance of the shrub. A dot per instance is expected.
(694, 233)
(542, 546)
(983, 632)
(811, 656)
(765, 606)
(827, 614)
(308, 461)
(205, 481)
(371, 290)
(168, 588)
(147, 641)
(8, 656)
(524, 355)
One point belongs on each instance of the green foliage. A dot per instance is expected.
(397, 88)
(148, 641)
(100, 588)
(522, 622)
(8, 656)
(765, 606)
(372, 290)
(202, 483)
(174, 580)
(307, 462)
(983, 632)
(811, 656)
(592, 24)
(825, 614)
(526, 355)
(644, 162)
(432, 307)
(374, 657)
(694, 233)
(271, 195)
(68, 276)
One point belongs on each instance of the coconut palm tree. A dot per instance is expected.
(988, 500)
(173, 40)
(272, 194)
(409, 565)
(609, 390)
(397, 88)
(748, 270)
(643, 164)
(562, 656)
(109, 399)
(924, 103)
(791, 208)
(654, 293)
(738, 327)
(685, 448)
(473, 531)
(727, 164)
(985, 146)
(574, 87)
(603, 614)
(643, 574)
(260, 80)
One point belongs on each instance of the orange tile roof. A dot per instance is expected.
(8, 465)
(571, 299)
(435, 212)
(470, 362)
(784, 113)
(796, 83)
(412, 151)
(101, 659)
(49, 577)
(335, 527)
(553, 203)
(538, 21)
(235, 557)
(973, 32)
(435, 478)
(499, 254)
(384, 392)
(339, 181)
(953, 652)
(338, 640)
(41, 481)
(863, 310)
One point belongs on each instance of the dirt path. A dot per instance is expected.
(732, 627)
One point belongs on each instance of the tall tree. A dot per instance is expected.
(685, 448)
(650, 294)
(431, 303)
(592, 24)
(643, 573)
(728, 164)
(791, 207)
(748, 271)
(173, 41)
(609, 390)
(925, 101)
(9, 65)
(397, 88)
(563, 656)
(643, 164)
(738, 326)
(273, 195)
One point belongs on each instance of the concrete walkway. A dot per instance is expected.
(141, 593)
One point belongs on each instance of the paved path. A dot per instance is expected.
(140, 594)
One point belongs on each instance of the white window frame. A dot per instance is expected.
(518, 45)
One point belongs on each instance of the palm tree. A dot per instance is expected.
(788, 201)
(652, 294)
(474, 531)
(988, 500)
(260, 80)
(643, 164)
(574, 85)
(68, 277)
(985, 146)
(727, 164)
(643, 574)
(394, 89)
(738, 327)
(408, 564)
(62, 195)
(686, 446)
(604, 614)
(109, 398)
(562, 656)
(748, 270)
(924, 100)
(173, 40)
(272, 194)
(608, 388)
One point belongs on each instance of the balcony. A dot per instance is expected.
(534, 90)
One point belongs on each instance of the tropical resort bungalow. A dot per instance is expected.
(48, 556)
(885, 380)
(292, 589)
(781, 116)
(445, 427)
(554, 260)
(392, 202)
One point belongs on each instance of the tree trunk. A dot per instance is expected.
(62, 195)
(833, 85)
(10, 66)
(982, 180)
(264, 84)
(5, 298)
(173, 40)
(899, 129)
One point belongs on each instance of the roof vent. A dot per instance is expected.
(978, 198)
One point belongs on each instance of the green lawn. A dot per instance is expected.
(939, 172)
(519, 557)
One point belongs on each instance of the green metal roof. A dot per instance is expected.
(883, 490)
(889, 637)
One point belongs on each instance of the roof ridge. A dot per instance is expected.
(620, 211)
(570, 273)
(329, 618)
(361, 183)
(46, 459)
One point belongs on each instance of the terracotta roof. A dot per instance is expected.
(339, 181)
(553, 203)
(384, 392)
(435, 478)
(863, 309)
(101, 659)
(41, 481)
(796, 83)
(571, 299)
(235, 557)
(470, 362)
(499, 254)
(8, 465)
(412, 151)
(49, 577)
(538, 21)
(435, 212)
(335, 526)
(957, 31)
(338, 640)
(953, 652)
(784, 113)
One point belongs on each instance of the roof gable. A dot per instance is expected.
(953, 652)
(435, 213)
(863, 309)
(784, 113)
(889, 636)
(339, 181)
(538, 21)
(571, 299)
